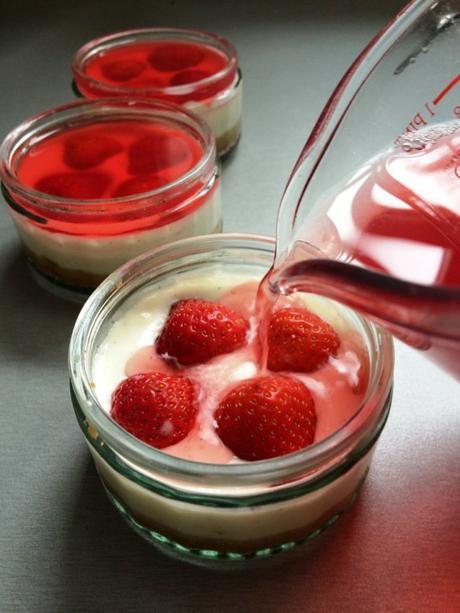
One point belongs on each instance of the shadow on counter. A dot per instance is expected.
(35, 325)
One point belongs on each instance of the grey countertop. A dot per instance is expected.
(63, 547)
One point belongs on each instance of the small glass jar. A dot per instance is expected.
(210, 513)
(72, 244)
(121, 65)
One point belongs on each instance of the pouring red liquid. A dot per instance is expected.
(388, 245)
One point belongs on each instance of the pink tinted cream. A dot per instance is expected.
(337, 387)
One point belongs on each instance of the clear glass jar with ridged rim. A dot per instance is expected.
(218, 514)
(72, 243)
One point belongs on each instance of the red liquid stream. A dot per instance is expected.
(389, 246)
(159, 65)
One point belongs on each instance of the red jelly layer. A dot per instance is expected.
(106, 160)
(159, 65)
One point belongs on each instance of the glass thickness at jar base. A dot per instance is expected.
(219, 560)
(312, 512)
(217, 552)
(220, 515)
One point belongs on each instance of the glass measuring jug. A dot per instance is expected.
(371, 213)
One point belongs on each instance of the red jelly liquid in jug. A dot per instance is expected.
(400, 216)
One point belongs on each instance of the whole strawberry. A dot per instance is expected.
(77, 185)
(171, 57)
(266, 417)
(89, 150)
(198, 330)
(138, 185)
(122, 70)
(299, 341)
(156, 408)
(155, 152)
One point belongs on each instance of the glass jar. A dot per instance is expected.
(212, 513)
(73, 243)
(125, 64)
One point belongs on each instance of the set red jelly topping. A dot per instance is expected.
(161, 64)
(111, 159)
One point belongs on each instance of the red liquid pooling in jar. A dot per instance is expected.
(103, 161)
(158, 65)
(337, 385)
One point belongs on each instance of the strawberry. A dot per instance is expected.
(189, 76)
(266, 417)
(75, 185)
(155, 152)
(138, 185)
(122, 70)
(299, 341)
(84, 151)
(197, 330)
(173, 56)
(156, 408)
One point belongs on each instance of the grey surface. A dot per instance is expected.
(62, 545)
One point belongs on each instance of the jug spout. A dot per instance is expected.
(425, 317)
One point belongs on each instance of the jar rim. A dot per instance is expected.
(118, 39)
(105, 107)
(116, 286)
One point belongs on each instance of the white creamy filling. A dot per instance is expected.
(222, 113)
(102, 254)
(243, 524)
